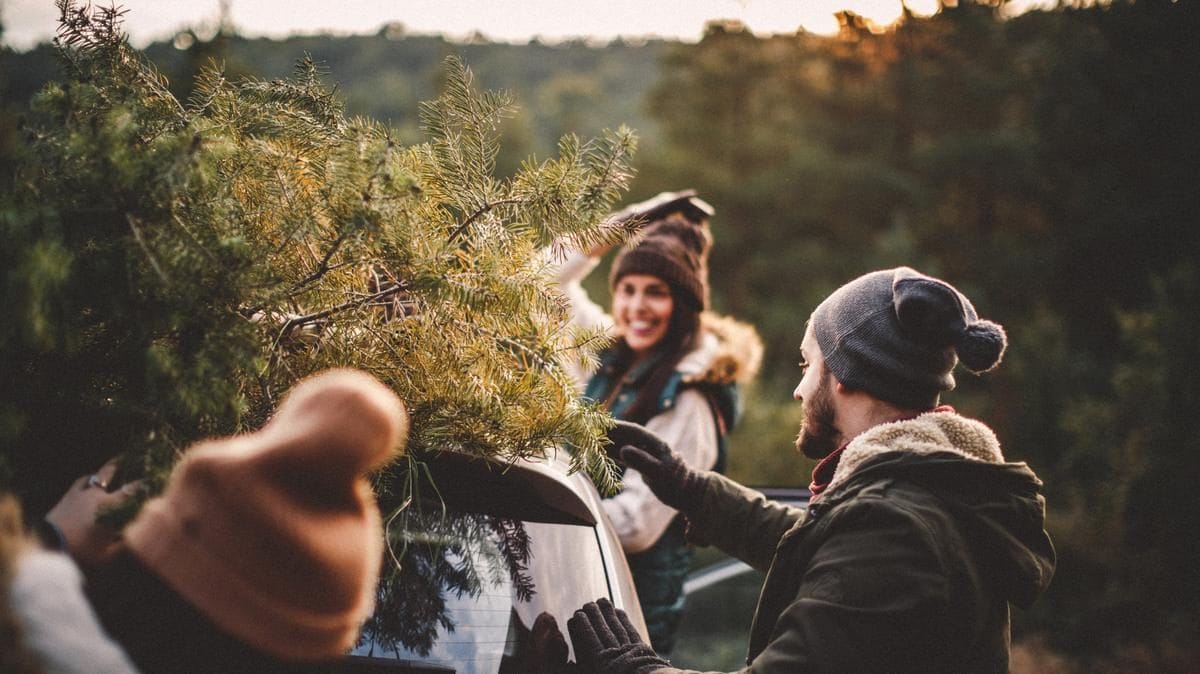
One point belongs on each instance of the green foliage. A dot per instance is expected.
(1131, 449)
(1010, 157)
(1044, 163)
(569, 88)
(173, 269)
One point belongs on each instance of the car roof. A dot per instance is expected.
(527, 489)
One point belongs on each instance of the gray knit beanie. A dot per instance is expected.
(897, 334)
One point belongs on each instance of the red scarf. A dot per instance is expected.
(822, 475)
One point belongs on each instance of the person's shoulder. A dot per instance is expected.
(877, 490)
(893, 510)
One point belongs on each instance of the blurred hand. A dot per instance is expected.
(89, 542)
(600, 250)
(664, 471)
(629, 433)
(634, 217)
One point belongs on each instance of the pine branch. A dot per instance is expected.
(461, 229)
(542, 361)
(322, 268)
(283, 201)
(298, 321)
(141, 241)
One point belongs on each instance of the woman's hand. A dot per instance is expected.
(89, 542)
(600, 249)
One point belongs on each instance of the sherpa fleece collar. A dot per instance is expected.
(928, 433)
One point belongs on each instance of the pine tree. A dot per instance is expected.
(171, 268)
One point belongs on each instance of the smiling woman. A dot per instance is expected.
(672, 368)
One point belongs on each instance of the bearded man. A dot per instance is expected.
(919, 534)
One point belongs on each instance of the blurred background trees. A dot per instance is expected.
(1044, 163)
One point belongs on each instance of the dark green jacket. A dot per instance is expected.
(908, 562)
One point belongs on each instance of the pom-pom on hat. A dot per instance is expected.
(674, 246)
(897, 334)
(275, 536)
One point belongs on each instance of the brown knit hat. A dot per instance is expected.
(674, 247)
(275, 536)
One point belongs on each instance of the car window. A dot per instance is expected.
(568, 560)
(470, 584)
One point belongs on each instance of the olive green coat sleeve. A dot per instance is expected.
(740, 521)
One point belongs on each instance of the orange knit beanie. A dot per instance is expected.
(275, 535)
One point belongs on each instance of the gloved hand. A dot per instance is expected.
(671, 480)
(607, 643)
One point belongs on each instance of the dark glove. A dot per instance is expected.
(607, 643)
(664, 471)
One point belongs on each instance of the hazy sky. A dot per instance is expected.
(27, 22)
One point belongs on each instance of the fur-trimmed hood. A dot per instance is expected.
(926, 434)
(959, 459)
(730, 352)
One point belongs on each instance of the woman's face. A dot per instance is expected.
(642, 306)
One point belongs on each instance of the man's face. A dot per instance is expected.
(819, 435)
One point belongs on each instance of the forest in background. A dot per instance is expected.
(1045, 164)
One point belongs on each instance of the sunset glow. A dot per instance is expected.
(27, 22)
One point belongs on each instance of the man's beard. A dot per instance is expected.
(819, 435)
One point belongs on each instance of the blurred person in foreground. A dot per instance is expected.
(260, 556)
(919, 534)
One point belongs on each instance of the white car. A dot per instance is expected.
(486, 549)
